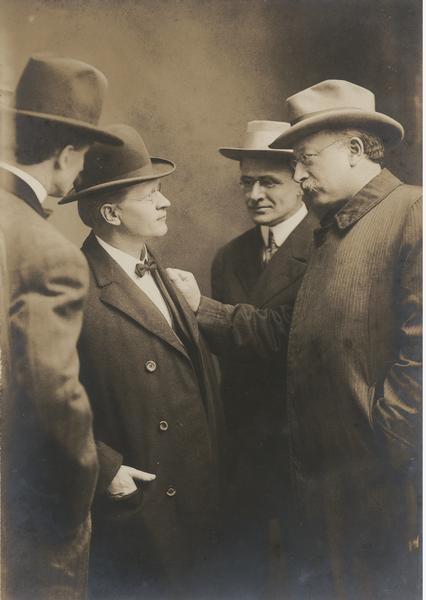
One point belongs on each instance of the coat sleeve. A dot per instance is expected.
(45, 322)
(109, 463)
(217, 276)
(396, 410)
(4, 326)
(262, 330)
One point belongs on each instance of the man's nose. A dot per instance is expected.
(161, 200)
(300, 172)
(256, 192)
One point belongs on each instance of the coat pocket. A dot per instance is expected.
(119, 509)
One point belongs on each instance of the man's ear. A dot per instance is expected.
(356, 149)
(111, 214)
(62, 157)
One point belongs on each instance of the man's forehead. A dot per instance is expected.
(316, 139)
(262, 167)
(142, 187)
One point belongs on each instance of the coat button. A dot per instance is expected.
(171, 491)
(150, 366)
(164, 425)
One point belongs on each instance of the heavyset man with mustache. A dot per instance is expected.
(354, 352)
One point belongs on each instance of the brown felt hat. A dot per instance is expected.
(107, 167)
(336, 104)
(258, 136)
(63, 90)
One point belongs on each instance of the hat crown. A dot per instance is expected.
(61, 87)
(104, 164)
(259, 134)
(332, 94)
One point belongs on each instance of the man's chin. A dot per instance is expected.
(261, 219)
(162, 230)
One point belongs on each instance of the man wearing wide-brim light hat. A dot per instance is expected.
(263, 266)
(354, 351)
(151, 383)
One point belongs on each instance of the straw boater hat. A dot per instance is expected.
(258, 136)
(336, 103)
(62, 90)
(108, 168)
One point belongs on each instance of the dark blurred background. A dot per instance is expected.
(189, 74)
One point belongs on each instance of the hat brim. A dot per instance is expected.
(391, 132)
(239, 153)
(161, 167)
(95, 133)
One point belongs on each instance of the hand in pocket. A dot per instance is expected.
(124, 484)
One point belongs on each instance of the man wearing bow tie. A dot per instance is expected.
(264, 266)
(151, 385)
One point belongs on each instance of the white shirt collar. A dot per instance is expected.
(126, 261)
(147, 283)
(38, 189)
(282, 230)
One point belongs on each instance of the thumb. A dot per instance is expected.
(140, 475)
(174, 274)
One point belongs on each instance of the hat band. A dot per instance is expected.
(321, 112)
(144, 171)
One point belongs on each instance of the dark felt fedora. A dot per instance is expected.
(258, 136)
(336, 103)
(107, 167)
(63, 90)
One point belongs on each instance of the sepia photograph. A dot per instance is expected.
(211, 299)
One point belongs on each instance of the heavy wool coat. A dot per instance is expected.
(49, 462)
(156, 408)
(353, 393)
(253, 388)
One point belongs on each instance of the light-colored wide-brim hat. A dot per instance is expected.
(335, 104)
(108, 167)
(65, 91)
(258, 136)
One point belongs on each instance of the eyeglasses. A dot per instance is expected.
(150, 197)
(247, 183)
(306, 158)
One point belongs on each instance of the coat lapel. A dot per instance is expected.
(287, 265)
(119, 291)
(186, 314)
(248, 267)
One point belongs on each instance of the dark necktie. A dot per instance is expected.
(145, 267)
(270, 249)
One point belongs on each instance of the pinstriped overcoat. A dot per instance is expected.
(353, 394)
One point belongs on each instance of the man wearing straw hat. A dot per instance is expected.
(151, 384)
(264, 266)
(49, 463)
(354, 351)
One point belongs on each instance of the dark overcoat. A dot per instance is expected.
(155, 408)
(253, 388)
(353, 393)
(49, 463)
(253, 391)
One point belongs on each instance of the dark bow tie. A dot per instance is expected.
(144, 267)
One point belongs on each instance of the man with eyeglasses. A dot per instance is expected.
(354, 352)
(264, 266)
(151, 384)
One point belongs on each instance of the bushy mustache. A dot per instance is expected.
(311, 186)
